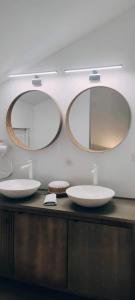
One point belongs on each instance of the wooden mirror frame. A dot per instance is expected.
(67, 125)
(11, 132)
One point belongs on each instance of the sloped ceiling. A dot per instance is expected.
(32, 30)
(113, 43)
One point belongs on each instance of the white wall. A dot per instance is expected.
(113, 43)
(63, 160)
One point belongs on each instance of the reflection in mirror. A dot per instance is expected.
(33, 120)
(98, 119)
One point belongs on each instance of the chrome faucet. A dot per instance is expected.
(28, 166)
(94, 173)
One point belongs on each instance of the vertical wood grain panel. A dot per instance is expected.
(100, 260)
(41, 249)
(6, 244)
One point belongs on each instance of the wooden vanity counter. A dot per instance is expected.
(88, 252)
(118, 210)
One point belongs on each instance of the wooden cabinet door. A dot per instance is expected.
(100, 260)
(41, 249)
(6, 244)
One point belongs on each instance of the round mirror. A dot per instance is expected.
(33, 120)
(98, 119)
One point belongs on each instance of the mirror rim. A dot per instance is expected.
(15, 140)
(74, 140)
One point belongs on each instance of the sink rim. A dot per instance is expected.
(71, 191)
(34, 184)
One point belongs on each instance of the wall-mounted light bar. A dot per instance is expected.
(94, 69)
(32, 74)
(66, 71)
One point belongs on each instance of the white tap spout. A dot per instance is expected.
(28, 166)
(95, 174)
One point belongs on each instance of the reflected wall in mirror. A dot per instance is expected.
(33, 120)
(98, 119)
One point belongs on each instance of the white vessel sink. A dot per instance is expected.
(19, 188)
(90, 195)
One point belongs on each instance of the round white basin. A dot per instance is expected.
(19, 188)
(90, 195)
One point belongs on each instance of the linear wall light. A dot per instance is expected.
(32, 74)
(94, 69)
